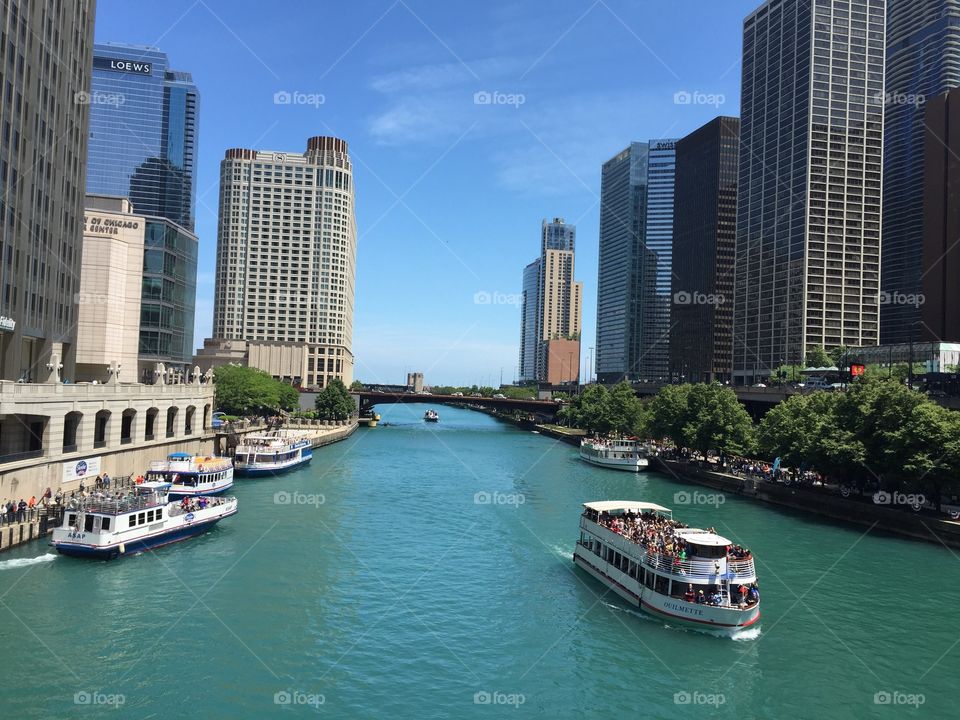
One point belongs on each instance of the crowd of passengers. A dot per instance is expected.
(193, 504)
(657, 534)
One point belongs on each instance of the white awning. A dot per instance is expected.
(702, 537)
(625, 505)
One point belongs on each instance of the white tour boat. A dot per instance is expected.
(431, 416)
(705, 586)
(618, 453)
(106, 527)
(192, 475)
(273, 453)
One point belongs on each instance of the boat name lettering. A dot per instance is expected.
(76, 535)
(683, 608)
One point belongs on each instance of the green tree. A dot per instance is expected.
(668, 412)
(817, 357)
(837, 355)
(356, 385)
(588, 410)
(334, 401)
(715, 420)
(623, 412)
(246, 391)
(289, 397)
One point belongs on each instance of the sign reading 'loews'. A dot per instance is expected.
(124, 66)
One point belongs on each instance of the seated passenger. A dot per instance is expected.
(701, 598)
(689, 595)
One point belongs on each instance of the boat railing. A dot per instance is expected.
(114, 506)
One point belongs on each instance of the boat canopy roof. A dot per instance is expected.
(625, 505)
(702, 537)
(179, 456)
(154, 485)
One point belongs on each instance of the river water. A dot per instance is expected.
(424, 571)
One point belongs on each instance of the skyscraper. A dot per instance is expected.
(923, 61)
(286, 262)
(45, 58)
(552, 304)
(633, 280)
(704, 242)
(529, 314)
(808, 216)
(143, 132)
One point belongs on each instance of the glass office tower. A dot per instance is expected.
(143, 132)
(923, 61)
(529, 338)
(808, 209)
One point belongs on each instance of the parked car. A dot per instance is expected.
(500, 396)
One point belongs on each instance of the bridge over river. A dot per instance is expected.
(370, 398)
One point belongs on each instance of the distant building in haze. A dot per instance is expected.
(809, 194)
(704, 245)
(923, 61)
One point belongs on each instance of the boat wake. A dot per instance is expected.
(25, 562)
(562, 551)
(750, 633)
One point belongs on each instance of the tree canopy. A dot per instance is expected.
(616, 411)
(702, 417)
(334, 401)
(249, 391)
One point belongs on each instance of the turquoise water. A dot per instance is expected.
(378, 586)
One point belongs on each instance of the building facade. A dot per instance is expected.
(809, 194)
(704, 243)
(923, 61)
(939, 299)
(108, 304)
(561, 361)
(529, 314)
(286, 261)
(143, 132)
(551, 306)
(46, 58)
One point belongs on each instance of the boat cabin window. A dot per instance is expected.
(71, 520)
(133, 521)
(707, 551)
(141, 518)
(88, 523)
(159, 514)
(149, 516)
(105, 523)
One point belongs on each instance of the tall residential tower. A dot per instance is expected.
(286, 263)
(923, 61)
(809, 196)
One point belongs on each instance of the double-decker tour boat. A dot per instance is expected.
(272, 453)
(618, 453)
(686, 575)
(105, 527)
(431, 416)
(191, 475)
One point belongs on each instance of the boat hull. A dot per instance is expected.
(616, 464)
(108, 552)
(715, 620)
(278, 469)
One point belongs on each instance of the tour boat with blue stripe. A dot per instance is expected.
(431, 416)
(686, 576)
(105, 526)
(272, 453)
(192, 475)
(619, 453)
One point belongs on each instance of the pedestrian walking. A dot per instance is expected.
(22, 510)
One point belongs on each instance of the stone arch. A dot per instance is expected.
(150, 427)
(101, 428)
(71, 430)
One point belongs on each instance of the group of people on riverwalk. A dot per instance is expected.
(26, 509)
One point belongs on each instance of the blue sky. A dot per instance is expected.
(450, 193)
